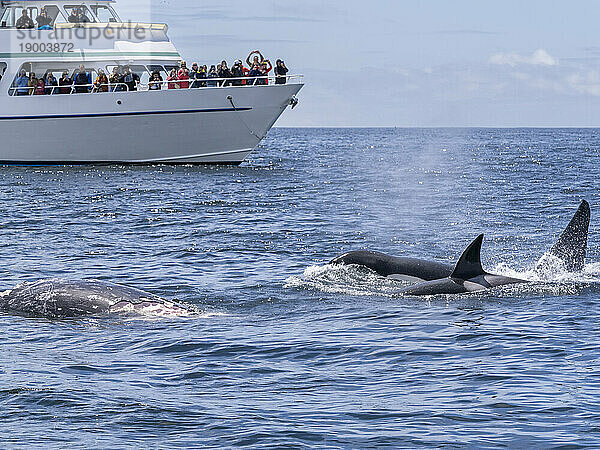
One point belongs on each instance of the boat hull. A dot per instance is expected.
(196, 126)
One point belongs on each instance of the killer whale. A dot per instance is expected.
(57, 298)
(468, 276)
(398, 268)
(570, 249)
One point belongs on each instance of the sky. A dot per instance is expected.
(419, 63)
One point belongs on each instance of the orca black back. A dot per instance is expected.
(571, 247)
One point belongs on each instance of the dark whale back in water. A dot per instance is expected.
(467, 276)
(571, 246)
(403, 269)
(570, 249)
(61, 299)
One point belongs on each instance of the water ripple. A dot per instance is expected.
(287, 351)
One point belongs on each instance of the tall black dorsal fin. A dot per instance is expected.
(469, 264)
(572, 245)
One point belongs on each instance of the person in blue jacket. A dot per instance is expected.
(254, 73)
(22, 83)
(51, 84)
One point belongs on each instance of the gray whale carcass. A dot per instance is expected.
(570, 249)
(56, 298)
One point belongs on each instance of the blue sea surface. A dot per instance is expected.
(288, 351)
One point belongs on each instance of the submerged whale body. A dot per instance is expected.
(57, 298)
(570, 249)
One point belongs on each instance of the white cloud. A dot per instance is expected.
(585, 83)
(539, 58)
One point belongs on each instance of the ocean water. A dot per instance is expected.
(285, 350)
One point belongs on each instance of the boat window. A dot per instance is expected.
(31, 11)
(6, 18)
(141, 71)
(169, 67)
(78, 13)
(42, 69)
(54, 13)
(2, 70)
(90, 70)
(157, 68)
(103, 13)
(12, 14)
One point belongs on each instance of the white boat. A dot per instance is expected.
(190, 125)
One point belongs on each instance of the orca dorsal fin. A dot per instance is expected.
(469, 264)
(572, 244)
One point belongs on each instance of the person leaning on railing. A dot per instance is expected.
(21, 83)
(116, 80)
(280, 72)
(203, 75)
(50, 83)
(101, 84)
(237, 72)
(265, 68)
(172, 79)
(32, 83)
(40, 88)
(198, 75)
(254, 74)
(65, 83)
(24, 21)
(42, 19)
(224, 72)
(81, 81)
(78, 16)
(194, 74)
(212, 73)
(183, 75)
(156, 82)
(131, 79)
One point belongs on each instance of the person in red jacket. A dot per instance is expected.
(246, 73)
(183, 76)
(266, 67)
(40, 88)
(172, 78)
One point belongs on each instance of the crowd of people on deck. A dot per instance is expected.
(255, 74)
(123, 78)
(79, 83)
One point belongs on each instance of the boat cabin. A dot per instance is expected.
(52, 13)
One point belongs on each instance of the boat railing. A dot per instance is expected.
(115, 26)
(110, 87)
(201, 83)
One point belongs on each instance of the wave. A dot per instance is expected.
(344, 279)
(549, 277)
(162, 309)
(552, 269)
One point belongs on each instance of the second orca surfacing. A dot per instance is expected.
(468, 275)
